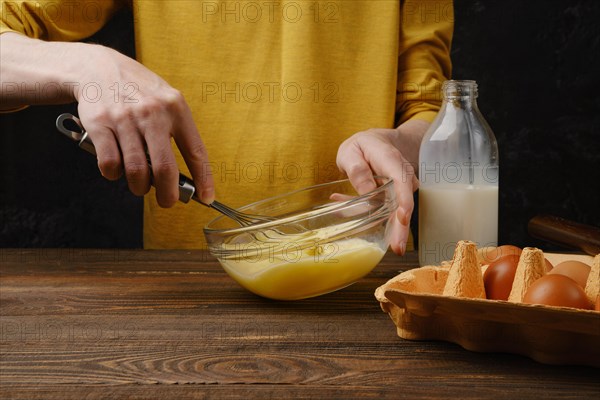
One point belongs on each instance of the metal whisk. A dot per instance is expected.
(187, 190)
(240, 217)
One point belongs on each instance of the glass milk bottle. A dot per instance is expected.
(458, 173)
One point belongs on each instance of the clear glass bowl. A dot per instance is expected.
(324, 238)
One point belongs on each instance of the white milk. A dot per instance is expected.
(452, 212)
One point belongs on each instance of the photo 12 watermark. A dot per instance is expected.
(455, 172)
(280, 251)
(86, 92)
(431, 11)
(270, 92)
(271, 172)
(56, 13)
(39, 330)
(263, 333)
(252, 12)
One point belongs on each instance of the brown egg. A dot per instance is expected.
(597, 308)
(499, 276)
(491, 254)
(575, 270)
(557, 290)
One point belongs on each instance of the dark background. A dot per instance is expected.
(537, 64)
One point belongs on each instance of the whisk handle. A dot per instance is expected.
(186, 184)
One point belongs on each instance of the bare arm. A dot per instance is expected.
(124, 106)
(36, 72)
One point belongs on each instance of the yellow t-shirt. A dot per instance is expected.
(275, 86)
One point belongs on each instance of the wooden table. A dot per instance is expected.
(113, 324)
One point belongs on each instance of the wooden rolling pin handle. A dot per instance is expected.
(565, 233)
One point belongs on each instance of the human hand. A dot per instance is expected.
(127, 109)
(124, 107)
(377, 152)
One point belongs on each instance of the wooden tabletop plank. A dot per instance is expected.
(278, 392)
(171, 324)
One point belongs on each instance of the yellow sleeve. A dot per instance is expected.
(424, 58)
(56, 20)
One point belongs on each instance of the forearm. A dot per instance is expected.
(37, 72)
(48, 71)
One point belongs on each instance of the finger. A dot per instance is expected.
(353, 162)
(165, 173)
(398, 236)
(386, 160)
(339, 197)
(404, 197)
(107, 152)
(135, 162)
(194, 153)
(405, 204)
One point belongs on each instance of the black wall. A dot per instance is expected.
(537, 64)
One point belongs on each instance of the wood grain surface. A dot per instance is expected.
(117, 324)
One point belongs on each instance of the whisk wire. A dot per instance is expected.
(240, 217)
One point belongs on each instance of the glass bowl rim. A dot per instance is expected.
(241, 229)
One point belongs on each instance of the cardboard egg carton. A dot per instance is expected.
(448, 303)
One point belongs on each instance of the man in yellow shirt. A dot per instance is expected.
(260, 98)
